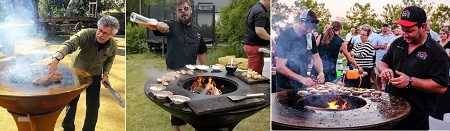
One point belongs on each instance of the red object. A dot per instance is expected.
(405, 23)
(255, 58)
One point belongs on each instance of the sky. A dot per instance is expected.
(339, 8)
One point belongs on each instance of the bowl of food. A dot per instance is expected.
(231, 68)
(179, 99)
(202, 67)
(191, 67)
(162, 94)
(217, 67)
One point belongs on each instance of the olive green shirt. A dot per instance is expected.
(90, 58)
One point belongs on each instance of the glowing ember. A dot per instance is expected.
(333, 105)
(202, 86)
(338, 104)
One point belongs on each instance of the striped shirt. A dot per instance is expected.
(364, 55)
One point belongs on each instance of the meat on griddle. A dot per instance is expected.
(51, 78)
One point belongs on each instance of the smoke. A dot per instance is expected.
(21, 40)
(286, 15)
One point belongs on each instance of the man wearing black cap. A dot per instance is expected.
(293, 52)
(416, 68)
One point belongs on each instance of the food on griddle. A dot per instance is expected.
(250, 74)
(303, 93)
(202, 67)
(376, 93)
(192, 67)
(190, 72)
(183, 72)
(162, 94)
(165, 83)
(217, 67)
(52, 78)
(179, 99)
(366, 94)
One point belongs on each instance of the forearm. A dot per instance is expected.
(347, 54)
(318, 63)
(284, 70)
(202, 59)
(382, 66)
(161, 26)
(262, 33)
(428, 85)
(108, 65)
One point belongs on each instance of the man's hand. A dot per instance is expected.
(321, 77)
(162, 27)
(402, 81)
(308, 82)
(52, 66)
(387, 74)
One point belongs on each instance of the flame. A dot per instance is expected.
(209, 88)
(338, 104)
(333, 105)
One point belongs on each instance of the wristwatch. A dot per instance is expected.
(58, 56)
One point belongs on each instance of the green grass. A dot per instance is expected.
(142, 114)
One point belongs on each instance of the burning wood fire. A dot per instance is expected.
(202, 86)
(339, 104)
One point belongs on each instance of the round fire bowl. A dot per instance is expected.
(26, 99)
(219, 120)
(291, 111)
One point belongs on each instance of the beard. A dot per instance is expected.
(185, 19)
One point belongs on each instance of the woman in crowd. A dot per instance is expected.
(364, 54)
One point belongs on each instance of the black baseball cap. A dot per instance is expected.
(411, 16)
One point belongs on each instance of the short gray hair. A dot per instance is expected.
(109, 21)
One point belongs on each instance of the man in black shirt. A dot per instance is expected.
(185, 44)
(294, 50)
(257, 36)
(416, 68)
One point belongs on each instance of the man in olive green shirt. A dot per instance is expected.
(97, 50)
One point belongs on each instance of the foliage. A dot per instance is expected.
(391, 13)
(136, 38)
(135, 5)
(439, 16)
(231, 27)
(117, 5)
(362, 14)
(320, 10)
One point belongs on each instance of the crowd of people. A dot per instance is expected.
(407, 59)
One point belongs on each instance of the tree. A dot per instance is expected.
(320, 10)
(420, 3)
(439, 16)
(231, 27)
(391, 13)
(362, 14)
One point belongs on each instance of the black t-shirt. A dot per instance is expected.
(258, 16)
(184, 43)
(329, 54)
(428, 61)
(447, 47)
(293, 47)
